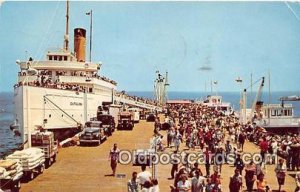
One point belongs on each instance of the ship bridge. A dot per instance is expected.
(135, 103)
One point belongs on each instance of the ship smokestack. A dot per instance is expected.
(79, 44)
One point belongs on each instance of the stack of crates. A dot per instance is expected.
(43, 140)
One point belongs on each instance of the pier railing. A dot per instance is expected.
(137, 104)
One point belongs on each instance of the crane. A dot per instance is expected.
(256, 100)
(258, 96)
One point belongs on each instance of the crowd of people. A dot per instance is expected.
(218, 137)
(43, 81)
(43, 78)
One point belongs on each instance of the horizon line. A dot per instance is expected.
(193, 91)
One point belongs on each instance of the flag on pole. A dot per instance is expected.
(88, 13)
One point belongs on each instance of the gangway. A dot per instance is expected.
(137, 104)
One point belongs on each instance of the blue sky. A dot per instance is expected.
(134, 39)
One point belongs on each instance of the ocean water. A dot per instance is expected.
(8, 142)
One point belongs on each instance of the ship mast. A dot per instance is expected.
(90, 13)
(66, 41)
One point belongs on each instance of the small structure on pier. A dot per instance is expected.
(160, 88)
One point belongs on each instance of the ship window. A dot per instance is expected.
(62, 115)
(273, 112)
(55, 58)
(286, 112)
(50, 57)
(49, 115)
(65, 58)
(60, 58)
(90, 90)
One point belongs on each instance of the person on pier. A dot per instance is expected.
(133, 185)
(250, 175)
(144, 176)
(235, 183)
(177, 140)
(198, 182)
(280, 171)
(114, 158)
(262, 184)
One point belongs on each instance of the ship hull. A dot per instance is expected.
(57, 110)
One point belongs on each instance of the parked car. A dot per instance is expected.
(151, 117)
(92, 133)
(107, 123)
(125, 121)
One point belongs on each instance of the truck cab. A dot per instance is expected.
(107, 123)
(125, 121)
(92, 133)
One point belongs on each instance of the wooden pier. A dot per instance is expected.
(88, 168)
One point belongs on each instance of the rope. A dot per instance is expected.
(258, 80)
(46, 98)
(46, 37)
(58, 114)
(291, 9)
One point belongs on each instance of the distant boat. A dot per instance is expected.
(279, 118)
(205, 68)
(215, 101)
(14, 126)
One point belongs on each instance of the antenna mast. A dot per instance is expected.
(66, 42)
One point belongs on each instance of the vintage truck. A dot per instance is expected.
(125, 121)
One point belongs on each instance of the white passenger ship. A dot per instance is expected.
(279, 118)
(61, 92)
(215, 101)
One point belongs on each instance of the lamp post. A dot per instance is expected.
(216, 83)
(240, 81)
